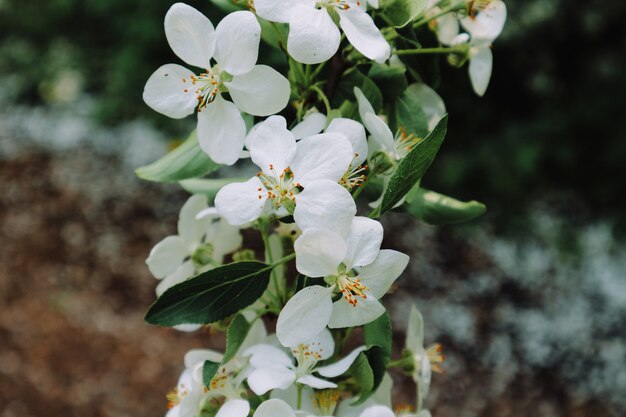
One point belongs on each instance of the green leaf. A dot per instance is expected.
(363, 375)
(378, 336)
(212, 295)
(235, 335)
(207, 186)
(345, 90)
(209, 369)
(438, 209)
(186, 161)
(392, 77)
(412, 168)
(409, 113)
(401, 12)
(378, 361)
(333, 114)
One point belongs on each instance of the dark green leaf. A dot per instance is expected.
(438, 209)
(409, 113)
(412, 167)
(378, 333)
(235, 335)
(363, 375)
(401, 12)
(212, 295)
(392, 77)
(345, 90)
(209, 369)
(186, 161)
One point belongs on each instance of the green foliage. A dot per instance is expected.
(186, 161)
(209, 369)
(363, 375)
(391, 77)
(212, 295)
(235, 335)
(409, 114)
(345, 91)
(379, 338)
(401, 12)
(412, 167)
(438, 209)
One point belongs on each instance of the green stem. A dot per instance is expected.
(322, 96)
(283, 260)
(442, 50)
(299, 399)
(269, 259)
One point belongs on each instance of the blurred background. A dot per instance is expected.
(529, 301)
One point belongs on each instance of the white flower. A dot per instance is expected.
(314, 37)
(255, 89)
(273, 368)
(200, 245)
(425, 360)
(354, 267)
(296, 177)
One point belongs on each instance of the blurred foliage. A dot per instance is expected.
(550, 122)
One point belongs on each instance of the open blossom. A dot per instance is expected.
(353, 267)
(272, 368)
(299, 178)
(201, 244)
(255, 89)
(314, 36)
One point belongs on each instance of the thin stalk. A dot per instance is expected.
(322, 96)
(423, 51)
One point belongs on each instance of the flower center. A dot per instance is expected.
(338, 4)
(405, 142)
(307, 356)
(355, 176)
(222, 385)
(279, 188)
(435, 357)
(206, 86)
(175, 396)
(326, 401)
(351, 289)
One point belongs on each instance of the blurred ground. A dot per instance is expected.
(530, 326)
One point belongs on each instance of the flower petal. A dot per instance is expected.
(319, 252)
(272, 145)
(190, 35)
(488, 23)
(221, 131)
(241, 202)
(447, 28)
(364, 105)
(274, 408)
(381, 134)
(377, 411)
(325, 205)
(237, 38)
(279, 10)
(262, 91)
(480, 67)
(190, 228)
(432, 105)
(315, 382)
(341, 366)
(365, 311)
(268, 356)
(227, 239)
(262, 380)
(165, 91)
(167, 255)
(414, 341)
(363, 34)
(386, 268)
(313, 36)
(324, 156)
(306, 313)
(323, 344)
(234, 408)
(355, 132)
(185, 271)
(198, 356)
(312, 124)
(364, 240)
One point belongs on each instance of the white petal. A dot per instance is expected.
(348, 315)
(227, 240)
(480, 67)
(364, 105)
(306, 313)
(325, 205)
(364, 240)
(415, 331)
(239, 203)
(432, 105)
(274, 408)
(381, 133)
(194, 357)
(377, 411)
(190, 35)
(363, 34)
(261, 91)
(312, 124)
(324, 156)
(167, 255)
(322, 343)
(221, 131)
(355, 132)
(237, 38)
(187, 328)
(185, 271)
(165, 91)
(268, 356)
(341, 366)
(272, 145)
(447, 28)
(488, 23)
(313, 36)
(234, 408)
(319, 252)
(315, 382)
(386, 268)
(189, 228)
(263, 380)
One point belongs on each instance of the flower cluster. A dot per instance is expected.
(350, 120)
